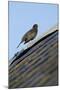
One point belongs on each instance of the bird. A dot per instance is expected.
(30, 35)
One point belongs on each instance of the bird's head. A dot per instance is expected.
(35, 26)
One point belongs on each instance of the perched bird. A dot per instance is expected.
(30, 35)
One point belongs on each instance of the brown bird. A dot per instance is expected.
(30, 35)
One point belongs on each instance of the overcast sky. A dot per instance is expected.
(22, 16)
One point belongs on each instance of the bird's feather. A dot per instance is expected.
(19, 44)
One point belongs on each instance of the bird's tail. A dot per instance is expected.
(19, 44)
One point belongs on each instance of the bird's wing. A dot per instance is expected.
(26, 35)
(30, 35)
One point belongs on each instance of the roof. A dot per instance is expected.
(37, 65)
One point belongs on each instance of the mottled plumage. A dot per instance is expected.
(30, 35)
